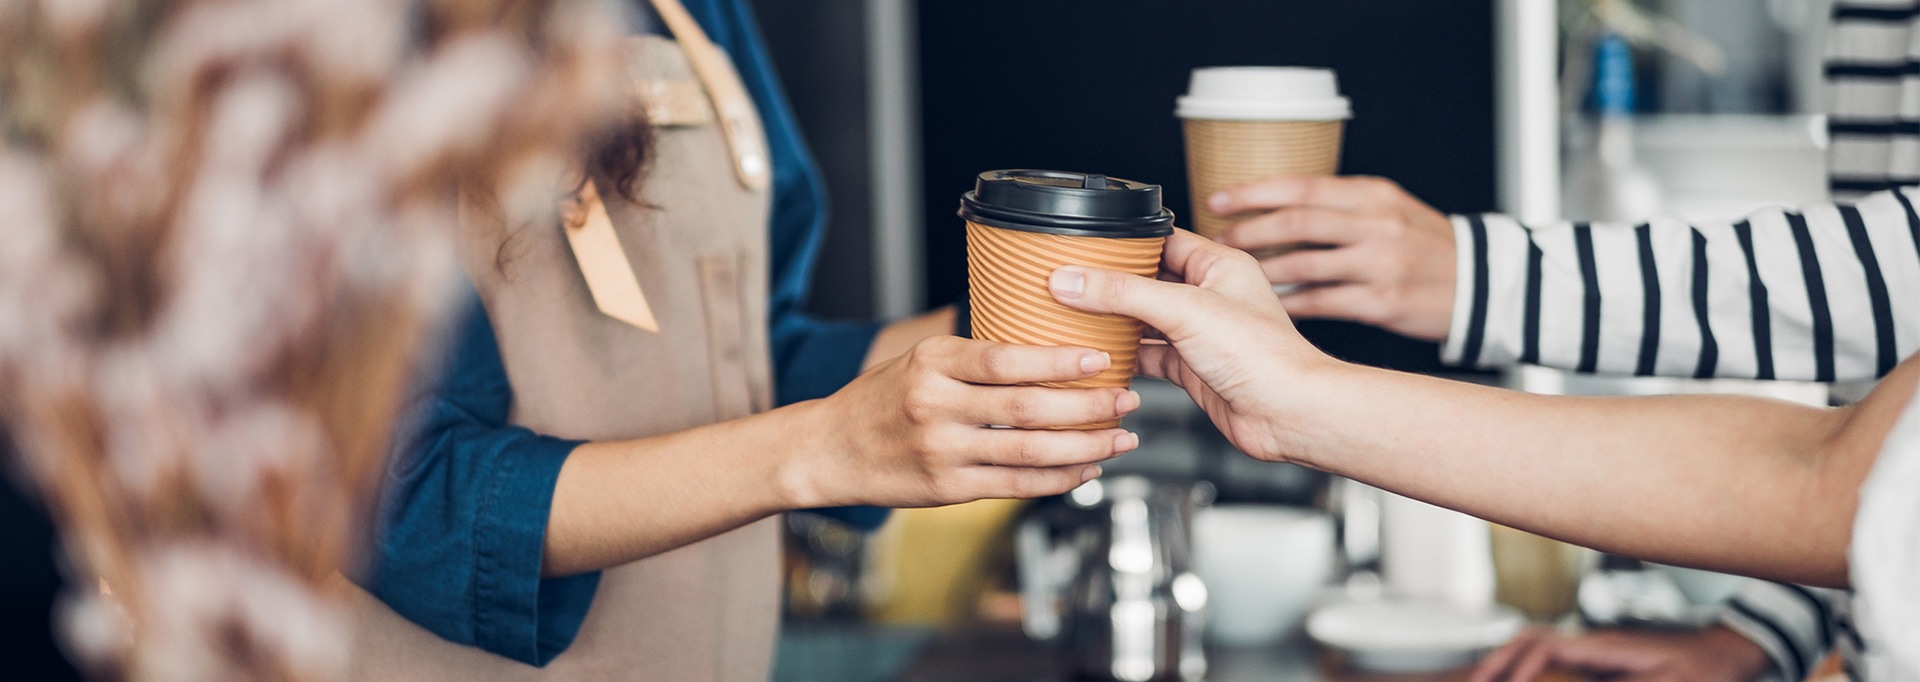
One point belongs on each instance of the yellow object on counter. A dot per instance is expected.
(929, 566)
(1537, 575)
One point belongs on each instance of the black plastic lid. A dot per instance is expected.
(1071, 204)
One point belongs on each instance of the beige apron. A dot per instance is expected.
(697, 242)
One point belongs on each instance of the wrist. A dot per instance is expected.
(797, 476)
(1303, 422)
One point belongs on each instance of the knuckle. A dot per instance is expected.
(1289, 224)
(1314, 190)
(1238, 259)
(1022, 408)
(1027, 451)
(920, 356)
(919, 406)
(1114, 287)
(1392, 226)
(995, 361)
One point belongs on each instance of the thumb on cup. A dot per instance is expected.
(1167, 306)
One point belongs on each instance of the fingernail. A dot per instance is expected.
(1126, 442)
(1128, 402)
(1219, 202)
(1089, 473)
(1068, 283)
(1094, 362)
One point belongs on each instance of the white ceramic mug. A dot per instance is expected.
(1264, 566)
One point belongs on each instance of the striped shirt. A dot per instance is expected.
(1827, 292)
(1873, 96)
(1822, 293)
(1796, 626)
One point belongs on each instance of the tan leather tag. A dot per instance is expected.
(610, 277)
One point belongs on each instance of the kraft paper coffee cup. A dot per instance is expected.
(1024, 224)
(1249, 123)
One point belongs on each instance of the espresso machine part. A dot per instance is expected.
(1106, 576)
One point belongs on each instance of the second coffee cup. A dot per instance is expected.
(1024, 224)
(1250, 123)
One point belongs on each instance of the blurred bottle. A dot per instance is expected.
(1605, 183)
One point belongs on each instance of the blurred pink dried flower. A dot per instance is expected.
(227, 227)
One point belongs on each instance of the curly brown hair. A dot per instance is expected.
(620, 156)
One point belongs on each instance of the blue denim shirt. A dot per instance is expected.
(464, 507)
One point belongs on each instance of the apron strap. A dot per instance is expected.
(610, 277)
(730, 98)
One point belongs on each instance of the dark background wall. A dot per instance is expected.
(1089, 85)
(819, 48)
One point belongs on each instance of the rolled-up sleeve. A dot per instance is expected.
(464, 510)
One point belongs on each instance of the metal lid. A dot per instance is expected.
(1071, 204)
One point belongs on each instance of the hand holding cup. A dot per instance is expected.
(1351, 248)
(913, 431)
(1229, 343)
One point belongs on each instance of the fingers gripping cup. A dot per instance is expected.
(1250, 123)
(1024, 224)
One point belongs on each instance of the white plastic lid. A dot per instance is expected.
(1263, 93)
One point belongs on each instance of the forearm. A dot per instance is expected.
(1737, 484)
(1713, 481)
(620, 501)
(905, 433)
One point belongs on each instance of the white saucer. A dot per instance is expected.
(1408, 636)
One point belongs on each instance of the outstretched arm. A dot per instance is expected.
(479, 515)
(1729, 483)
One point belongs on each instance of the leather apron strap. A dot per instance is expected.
(616, 290)
(730, 99)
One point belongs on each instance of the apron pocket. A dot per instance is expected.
(724, 304)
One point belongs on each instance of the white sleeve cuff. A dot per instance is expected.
(1463, 290)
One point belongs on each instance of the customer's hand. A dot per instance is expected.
(1232, 346)
(911, 432)
(1371, 252)
(1715, 654)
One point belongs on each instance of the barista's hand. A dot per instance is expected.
(1715, 654)
(911, 431)
(1232, 346)
(1373, 253)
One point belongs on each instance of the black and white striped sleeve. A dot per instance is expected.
(1873, 96)
(1793, 624)
(1824, 293)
